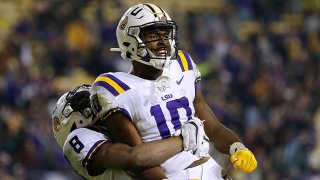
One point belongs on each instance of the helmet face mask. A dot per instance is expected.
(164, 32)
(139, 19)
(72, 111)
(79, 100)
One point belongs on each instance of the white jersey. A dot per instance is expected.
(209, 170)
(156, 107)
(79, 148)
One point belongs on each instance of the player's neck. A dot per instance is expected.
(145, 71)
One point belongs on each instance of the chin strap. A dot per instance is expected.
(166, 67)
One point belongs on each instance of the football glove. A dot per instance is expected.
(203, 147)
(242, 158)
(194, 137)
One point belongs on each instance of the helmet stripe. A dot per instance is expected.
(156, 8)
(154, 11)
(161, 10)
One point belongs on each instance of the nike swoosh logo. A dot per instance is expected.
(179, 82)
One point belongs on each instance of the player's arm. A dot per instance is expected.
(142, 156)
(122, 130)
(220, 135)
(225, 140)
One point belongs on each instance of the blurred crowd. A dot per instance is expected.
(259, 59)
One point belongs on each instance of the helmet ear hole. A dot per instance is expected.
(127, 44)
(128, 54)
(73, 127)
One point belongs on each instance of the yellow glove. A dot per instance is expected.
(242, 158)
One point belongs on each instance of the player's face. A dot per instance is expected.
(157, 41)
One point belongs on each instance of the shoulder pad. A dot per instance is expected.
(111, 83)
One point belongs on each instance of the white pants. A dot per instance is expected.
(209, 170)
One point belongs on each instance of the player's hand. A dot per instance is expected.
(203, 147)
(242, 158)
(194, 137)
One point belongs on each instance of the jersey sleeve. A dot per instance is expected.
(105, 95)
(80, 148)
(187, 64)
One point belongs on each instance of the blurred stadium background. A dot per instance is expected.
(260, 61)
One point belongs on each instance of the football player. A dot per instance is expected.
(159, 94)
(89, 149)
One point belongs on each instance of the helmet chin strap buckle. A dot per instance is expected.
(166, 67)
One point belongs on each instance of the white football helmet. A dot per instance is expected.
(131, 25)
(72, 111)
